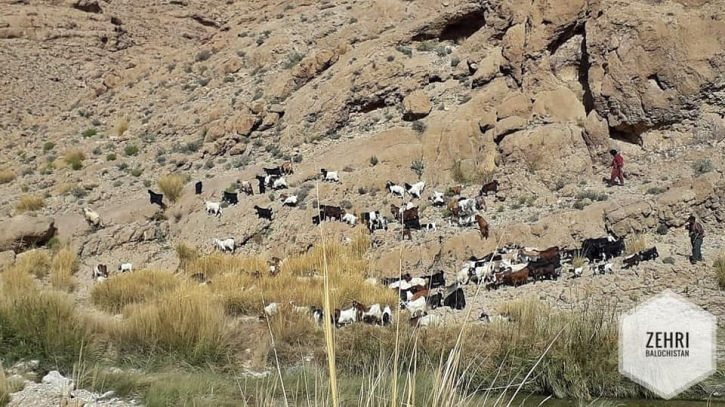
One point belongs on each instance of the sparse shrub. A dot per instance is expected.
(111, 157)
(78, 192)
(203, 55)
(240, 162)
(404, 50)
(136, 172)
(89, 133)
(464, 99)
(441, 51)
(390, 58)
(293, 58)
(419, 126)
(656, 190)
(345, 204)
(6, 176)
(418, 166)
(74, 159)
(477, 177)
(297, 158)
(455, 61)
(668, 260)
(534, 218)
(260, 40)
(579, 204)
(130, 150)
(702, 166)
(373, 160)
(97, 151)
(53, 243)
(172, 186)
(516, 206)
(29, 203)
(500, 209)
(425, 46)
(209, 164)
(48, 145)
(121, 126)
(362, 190)
(662, 229)
(592, 195)
(719, 267)
(65, 264)
(122, 166)
(526, 200)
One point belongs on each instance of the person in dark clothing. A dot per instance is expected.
(696, 235)
(617, 167)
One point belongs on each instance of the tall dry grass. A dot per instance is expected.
(65, 265)
(121, 126)
(7, 176)
(187, 322)
(114, 294)
(719, 267)
(636, 243)
(29, 203)
(172, 186)
(36, 262)
(186, 254)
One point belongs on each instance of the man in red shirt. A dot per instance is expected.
(617, 165)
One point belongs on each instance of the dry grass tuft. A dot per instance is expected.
(29, 203)
(478, 176)
(172, 186)
(186, 254)
(6, 176)
(186, 321)
(65, 265)
(114, 294)
(120, 127)
(719, 267)
(636, 243)
(74, 159)
(34, 262)
(64, 188)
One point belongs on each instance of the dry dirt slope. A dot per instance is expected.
(537, 91)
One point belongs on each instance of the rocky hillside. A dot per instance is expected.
(101, 98)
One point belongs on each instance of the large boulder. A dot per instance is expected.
(312, 66)
(560, 105)
(89, 6)
(416, 105)
(20, 232)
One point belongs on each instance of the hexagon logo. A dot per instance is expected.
(667, 344)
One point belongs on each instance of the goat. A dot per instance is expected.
(604, 268)
(197, 188)
(271, 309)
(417, 307)
(246, 187)
(406, 233)
(100, 271)
(415, 189)
(396, 190)
(329, 176)
(516, 278)
(387, 317)
(437, 199)
(273, 171)
(348, 316)
(92, 217)
(374, 221)
(287, 168)
(279, 183)
(455, 300)
(435, 280)
(263, 213)
(262, 183)
(350, 219)
(328, 212)
(426, 320)
(649, 254)
(480, 203)
(225, 244)
(430, 227)
(230, 197)
(455, 190)
(156, 199)
(213, 208)
(490, 187)
(632, 260)
(288, 200)
(482, 226)
(125, 267)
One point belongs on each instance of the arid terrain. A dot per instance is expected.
(101, 99)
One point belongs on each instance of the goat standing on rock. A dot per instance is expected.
(329, 176)
(92, 217)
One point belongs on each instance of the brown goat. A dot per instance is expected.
(482, 226)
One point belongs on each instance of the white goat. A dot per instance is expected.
(347, 316)
(289, 200)
(225, 244)
(125, 267)
(437, 198)
(330, 176)
(464, 275)
(387, 317)
(350, 219)
(415, 189)
(213, 208)
(417, 307)
(271, 309)
(430, 227)
(430, 320)
(92, 217)
(279, 183)
(396, 190)
(374, 313)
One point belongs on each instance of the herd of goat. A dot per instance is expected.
(508, 266)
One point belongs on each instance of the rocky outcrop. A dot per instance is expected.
(313, 65)
(416, 106)
(21, 232)
(89, 6)
(111, 238)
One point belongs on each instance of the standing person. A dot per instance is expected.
(696, 235)
(617, 165)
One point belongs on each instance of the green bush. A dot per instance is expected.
(373, 161)
(111, 157)
(136, 172)
(656, 190)
(668, 260)
(418, 166)
(419, 126)
(662, 229)
(130, 150)
(702, 166)
(203, 55)
(89, 133)
(48, 145)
